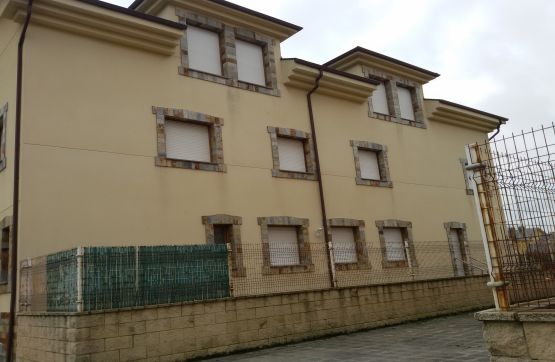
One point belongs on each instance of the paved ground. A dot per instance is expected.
(454, 338)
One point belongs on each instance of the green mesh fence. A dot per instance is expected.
(61, 281)
(120, 277)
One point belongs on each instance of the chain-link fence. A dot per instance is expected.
(515, 183)
(101, 278)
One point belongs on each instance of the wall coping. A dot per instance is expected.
(532, 315)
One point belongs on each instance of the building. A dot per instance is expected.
(179, 122)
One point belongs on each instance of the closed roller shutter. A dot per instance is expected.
(203, 47)
(344, 247)
(405, 103)
(394, 244)
(369, 165)
(379, 100)
(187, 141)
(250, 63)
(284, 247)
(291, 155)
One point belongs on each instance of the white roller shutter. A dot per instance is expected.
(250, 63)
(284, 247)
(187, 141)
(369, 166)
(344, 247)
(203, 47)
(291, 154)
(379, 100)
(405, 103)
(394, 244)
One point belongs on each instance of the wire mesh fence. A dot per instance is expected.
(103, 278)
(515, 181)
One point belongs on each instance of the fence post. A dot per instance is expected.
(80, 254)
(486, 220)
(230, 267)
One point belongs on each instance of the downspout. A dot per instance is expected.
(329, 247)
(498, 129)
(15, 217)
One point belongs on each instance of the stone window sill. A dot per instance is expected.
(4, 288)
(375, 183)
(352, 266)
(309, 176)
(190, 165)
(289, 269)
(395, 264)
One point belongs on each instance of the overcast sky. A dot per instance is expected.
(494, 55)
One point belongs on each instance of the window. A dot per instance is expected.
(5, 244)
(204, 50)
(284, 248)
(189, 140)
(3, 135)
(396, 243)
(226, 229)
(405, 103)
(371, 164)
(225, 54)
(344, 247)
(285, 245)
(250, 63)
(379, 100)
(458, 247)
(349, 244)
(4, 255)
(292, 154)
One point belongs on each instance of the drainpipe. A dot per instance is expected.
(15, 217)
(329, 247)
(498, 129)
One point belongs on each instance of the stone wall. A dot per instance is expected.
(183, 331)
(519, 336)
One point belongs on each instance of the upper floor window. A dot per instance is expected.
(292, 154)
(371, 164)
(222, 53)
(3, 135)
(250, 63)
(204, 50)
(380, 103)
(405, 103)
(189, 140)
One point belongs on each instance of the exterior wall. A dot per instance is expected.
(519, 336)
(177, 332)
(9, 35)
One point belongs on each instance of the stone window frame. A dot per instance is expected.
(392, 82)
(406, 229)
(383, 164)
(6, 222)
(464, 163)
(237, 265)
(215, 132)
(3, 135)
(305, 257)
(228, 55)
(363, 262)
(308, 145)
(465, 248)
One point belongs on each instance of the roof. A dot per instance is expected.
(452, 104)
(134, 13)
(240, 8)
(333, 71)
(379, 56)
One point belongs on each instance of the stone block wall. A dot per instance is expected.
(183, 331)
(521, 336)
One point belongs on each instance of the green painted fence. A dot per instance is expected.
(122, 277)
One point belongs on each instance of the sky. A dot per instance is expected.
(494, 55)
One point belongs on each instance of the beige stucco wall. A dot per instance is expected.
(89, 143)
